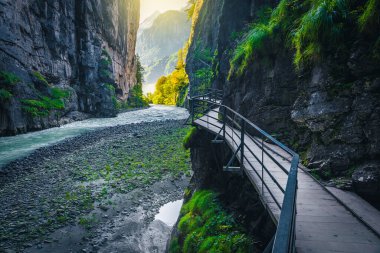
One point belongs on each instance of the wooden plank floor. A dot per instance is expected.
(322, 223)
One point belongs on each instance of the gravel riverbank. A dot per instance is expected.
(96, 192)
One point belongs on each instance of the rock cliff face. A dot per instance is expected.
(78, 52)
(328, 112)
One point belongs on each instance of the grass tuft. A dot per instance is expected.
(313, 29)
(40, 77)
(189, 135)
(8, 78)
(370, 16)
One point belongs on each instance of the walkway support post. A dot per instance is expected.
(242, 143)
(192, 110)
(224, 122)
(262, 166)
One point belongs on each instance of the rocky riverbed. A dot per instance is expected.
(98, 192)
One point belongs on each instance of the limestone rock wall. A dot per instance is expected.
(82, 46)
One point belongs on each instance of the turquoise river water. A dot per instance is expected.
(15, 147)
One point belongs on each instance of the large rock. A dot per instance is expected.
(366, 180)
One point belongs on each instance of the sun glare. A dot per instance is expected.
(148, 7)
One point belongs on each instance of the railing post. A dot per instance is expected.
(262, 166)
(242, 142)
(192, 110)
(224, 122)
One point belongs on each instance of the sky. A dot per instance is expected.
(148, 7)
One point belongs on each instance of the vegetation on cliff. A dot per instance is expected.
(312, 29)
(172, 89)
(7, 81)
(47, 98)
(136, 98)
(204, 226)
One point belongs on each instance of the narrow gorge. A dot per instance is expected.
(189, 126)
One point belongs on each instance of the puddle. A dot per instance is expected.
(169, 212)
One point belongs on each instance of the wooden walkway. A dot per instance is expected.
(323, 224)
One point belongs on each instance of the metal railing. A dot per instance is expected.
(252, 146)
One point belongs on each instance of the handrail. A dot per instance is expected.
(210, 101)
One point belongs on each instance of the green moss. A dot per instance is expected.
(188, 137)
(59, 93)
(133, 170)
(5, 95)
(205, 227)
(110, 87)
(40, 77)
(9, 78)
(88, 221)
(42, 106)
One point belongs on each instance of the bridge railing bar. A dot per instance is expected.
(241, 127)
(264, 168)
(238, 144)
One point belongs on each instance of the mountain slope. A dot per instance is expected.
(157, 43)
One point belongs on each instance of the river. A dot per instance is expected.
(15, 147)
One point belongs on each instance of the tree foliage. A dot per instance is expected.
(172, 89)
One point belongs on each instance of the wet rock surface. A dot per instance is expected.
(96, 192)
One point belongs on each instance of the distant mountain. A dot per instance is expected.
(160, 36)
(148, 22)
(159, 68)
